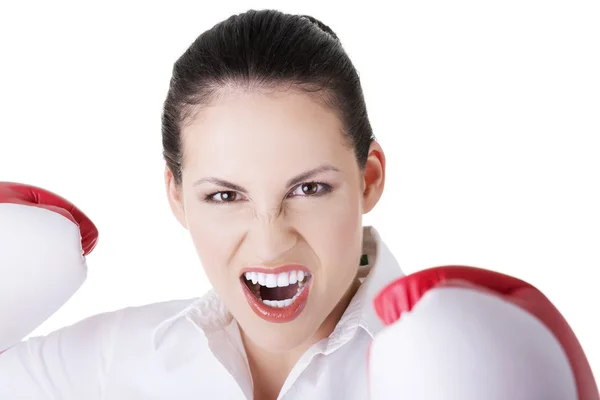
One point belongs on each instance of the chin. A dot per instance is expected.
(279, 338)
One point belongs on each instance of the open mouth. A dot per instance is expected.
(276, 290)
(277, 296)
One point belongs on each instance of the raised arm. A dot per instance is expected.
(463, 333)
(43, 243)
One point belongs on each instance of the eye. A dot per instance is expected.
(224, 197)
(310, 189)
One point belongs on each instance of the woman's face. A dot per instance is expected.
(273, 198)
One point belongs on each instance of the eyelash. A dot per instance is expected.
(325, 188)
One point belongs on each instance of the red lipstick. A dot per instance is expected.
(272, 313)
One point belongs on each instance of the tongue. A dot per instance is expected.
(278, 293)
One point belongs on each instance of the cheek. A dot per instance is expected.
(338, 241)
(216, 235)
(333, 230)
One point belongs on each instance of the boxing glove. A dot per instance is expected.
(43, 243)
(466, 333)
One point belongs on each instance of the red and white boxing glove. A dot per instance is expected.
(43, 243)
(464, 333)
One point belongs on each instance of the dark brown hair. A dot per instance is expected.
(265, 48)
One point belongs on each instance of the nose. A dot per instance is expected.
(271, 237)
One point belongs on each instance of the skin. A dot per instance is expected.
(259, 141)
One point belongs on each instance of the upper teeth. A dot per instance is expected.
(273, 280)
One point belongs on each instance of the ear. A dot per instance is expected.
(174, 197)
(374, 177)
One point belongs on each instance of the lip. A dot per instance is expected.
(276, 314)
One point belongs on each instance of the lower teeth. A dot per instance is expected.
(255, 288)
(282, 303)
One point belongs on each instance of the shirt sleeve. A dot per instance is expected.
(70, 363)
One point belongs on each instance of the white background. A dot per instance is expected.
(489, 113)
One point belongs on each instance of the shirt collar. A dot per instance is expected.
(210, 315)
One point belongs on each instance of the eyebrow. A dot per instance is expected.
(304, 176)
(220, 182)
(310, 173)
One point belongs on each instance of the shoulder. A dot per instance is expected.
(104, 325)
(78, 358)
(147, 317)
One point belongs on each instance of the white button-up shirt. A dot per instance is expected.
(192, 349)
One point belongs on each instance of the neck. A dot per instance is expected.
(269, 370)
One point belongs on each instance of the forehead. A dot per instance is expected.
(268, 128)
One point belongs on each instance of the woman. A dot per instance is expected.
(270, 164)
